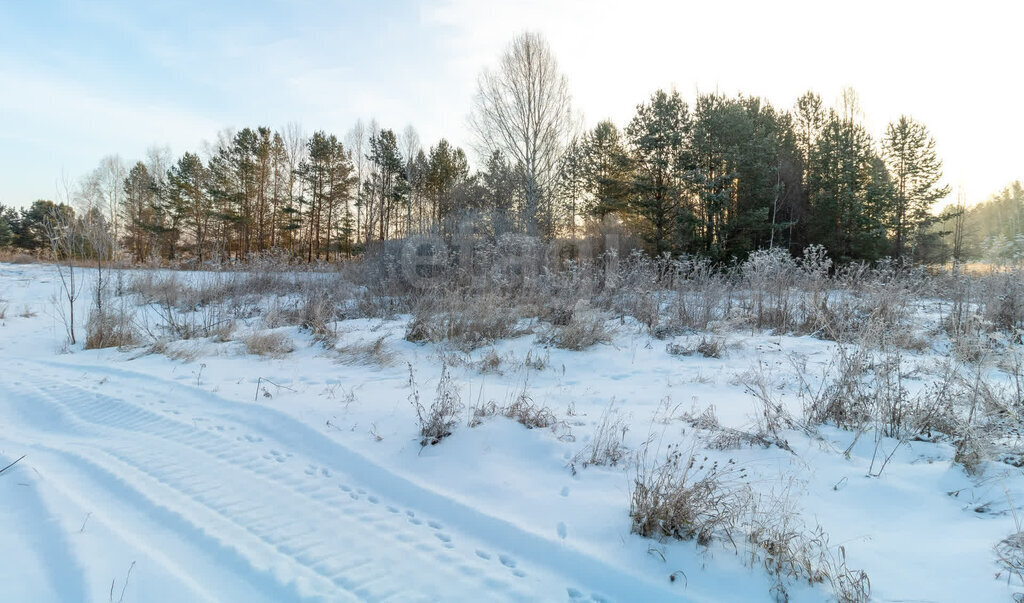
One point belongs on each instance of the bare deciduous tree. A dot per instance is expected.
(410, 146)
(524, 109)
(66, 243)
(355, 142)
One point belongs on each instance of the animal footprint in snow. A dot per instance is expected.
(446, 539)
(434, 525)
(483, 554)
(562, 530)
(565, 491)
(507, 561)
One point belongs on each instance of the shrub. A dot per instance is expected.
(585, 328)
(461, 318)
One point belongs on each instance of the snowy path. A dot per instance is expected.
(238, 501)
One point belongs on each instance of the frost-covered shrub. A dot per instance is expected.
(585, 328)
(461, 318)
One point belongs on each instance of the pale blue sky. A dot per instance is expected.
(80, 80)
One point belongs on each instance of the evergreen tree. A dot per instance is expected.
(327, 175)
(608, 170)
(847, 184)
(139, 204)
(31, 227)
(658, 137)
(7, 217)
(500, 188)
(447, 168)
(573, 183)
(385, 186)
(916, 169)
(187, 183)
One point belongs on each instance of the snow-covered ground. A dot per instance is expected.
(213, 474)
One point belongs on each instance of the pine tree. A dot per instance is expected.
(847, 188)
(138, 204)
(6, 232)
(916, 169)
(608, 169)
(658, 139)
(188, 182)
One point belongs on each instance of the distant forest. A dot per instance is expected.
(718, 176)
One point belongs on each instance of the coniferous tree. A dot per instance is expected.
(7, 218)
(608, 170)
(846, 185)
(187, 183)
(500, 184)
(447, 168)
(139, 203)
(658, 136)
(916, 169)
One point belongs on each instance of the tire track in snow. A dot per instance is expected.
(229, 498)
(327, 459)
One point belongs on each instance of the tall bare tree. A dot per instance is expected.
(64, 234)
(410, 146)
(523, 108)
(355, 141)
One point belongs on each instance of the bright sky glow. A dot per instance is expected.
(80, 80)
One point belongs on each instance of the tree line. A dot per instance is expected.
(719, 176)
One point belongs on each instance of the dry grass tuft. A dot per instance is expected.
(276, 345)
(108, 328)
(708, 348)
(607, 446)
(462, 319)
(372, 353)
(437, 421)
(686, 498)
(522, 410)
(586, 327)
(526, 412)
